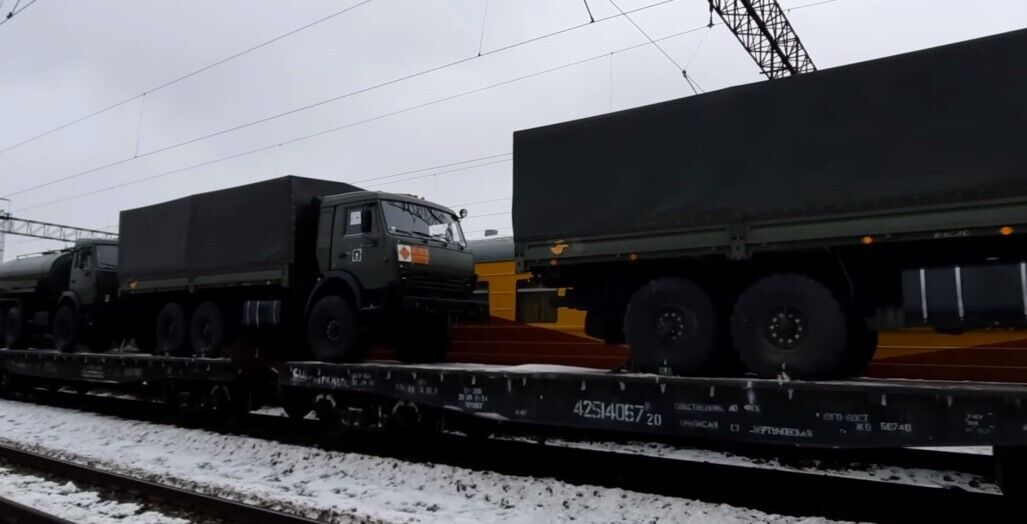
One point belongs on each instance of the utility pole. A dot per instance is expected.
(4, 214)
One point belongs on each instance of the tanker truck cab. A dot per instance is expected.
(391, 264)
(89, 294)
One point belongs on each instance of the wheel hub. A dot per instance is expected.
(333, 329)
(670, 325)
(786, 328)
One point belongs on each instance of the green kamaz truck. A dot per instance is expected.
(780, 225)
(288, 268)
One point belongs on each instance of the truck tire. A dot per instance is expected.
(424, 339)
(14, 328)
(792, 324)
(3, 328)
(332, 330)
(66, 329)
(671, 327)
(207, 330)
(172, 334)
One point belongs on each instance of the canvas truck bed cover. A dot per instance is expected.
(260, 226)
(941, 125)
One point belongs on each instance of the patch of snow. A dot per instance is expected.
(966, 450)
(337, 486)
(70, 503)
(873, 472)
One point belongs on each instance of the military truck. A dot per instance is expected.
(294, 263)
(74, 290)
(782, 223)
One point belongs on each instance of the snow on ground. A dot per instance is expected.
(338, 486)
(966, 450)
(873, 472)
(71, 503)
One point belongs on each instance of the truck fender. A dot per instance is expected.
(334, 282)
(69, 297)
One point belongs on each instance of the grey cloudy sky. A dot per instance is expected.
(62, 59)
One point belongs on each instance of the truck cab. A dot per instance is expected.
(389, 258)
(87, 295)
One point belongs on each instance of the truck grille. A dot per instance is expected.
(436, 284)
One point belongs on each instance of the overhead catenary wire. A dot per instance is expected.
(323, 102)
(15, 11)
(180, 78)
(657, 45)
(354, 124)
(484, 19)
(588, 9)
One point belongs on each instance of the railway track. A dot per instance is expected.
(780, 491)
(12, 512)
(224, 510)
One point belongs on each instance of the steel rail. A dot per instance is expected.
(16, 513)
(206, 505)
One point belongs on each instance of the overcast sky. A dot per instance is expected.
(62, 59)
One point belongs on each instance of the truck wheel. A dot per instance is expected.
(172, 331)
(66, 329)
(207, 330)
(14, 328)
(792, 324)
(331, 330)
(671, 326)
(424, 339)
(3, 328)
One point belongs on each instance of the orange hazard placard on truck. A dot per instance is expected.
(414, 254)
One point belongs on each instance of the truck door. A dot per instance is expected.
(83, 275)
(357, 244)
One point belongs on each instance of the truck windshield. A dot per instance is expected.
(424, 221)
(107, 257)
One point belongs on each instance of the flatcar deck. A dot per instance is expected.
(851, 413)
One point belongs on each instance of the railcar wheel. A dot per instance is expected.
(66, 329)
(792, 324)
(297, 404)
(172, 330)
(207, 330)
(425, 339)
(14, 328)
(331, 330)
(672, 327)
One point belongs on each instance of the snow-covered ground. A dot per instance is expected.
(71, 503)
(338, 486)
(873, 472)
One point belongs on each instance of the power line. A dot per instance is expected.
(484, 18)
(15, 11)
(354, 124)
(322, 102)
(651, 41)
(439, 173)
(179, 79)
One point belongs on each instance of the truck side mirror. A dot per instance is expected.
(463, 213)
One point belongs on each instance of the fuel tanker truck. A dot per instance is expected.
(295, 266)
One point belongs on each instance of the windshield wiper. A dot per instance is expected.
(418, 233)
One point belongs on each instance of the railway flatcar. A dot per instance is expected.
(526, 327)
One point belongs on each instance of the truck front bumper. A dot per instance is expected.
(448, 306)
